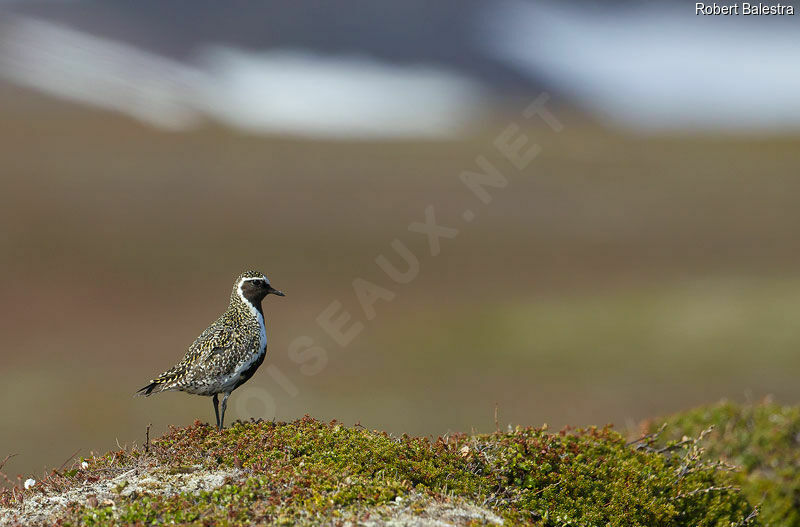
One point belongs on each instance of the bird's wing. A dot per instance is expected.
(214, 340)
(222, 356)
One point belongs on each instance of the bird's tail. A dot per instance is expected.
(165, 381)
(155, 386)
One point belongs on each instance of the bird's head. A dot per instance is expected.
(254, 286)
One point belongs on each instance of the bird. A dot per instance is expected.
(228, 352)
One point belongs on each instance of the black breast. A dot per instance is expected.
(246, 374)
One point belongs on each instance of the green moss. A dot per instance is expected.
(593, 477)
(304, 471)
(764, 440)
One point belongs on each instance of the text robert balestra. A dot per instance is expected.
(744, 8)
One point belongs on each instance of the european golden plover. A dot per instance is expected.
(228, 352)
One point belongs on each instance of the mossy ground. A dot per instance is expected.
(764, 440)
(312, 472)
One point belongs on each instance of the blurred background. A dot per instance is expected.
(645, 262)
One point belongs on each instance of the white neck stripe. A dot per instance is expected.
(256, 314)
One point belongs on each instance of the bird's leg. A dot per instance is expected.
(216, 410)
(224, 405)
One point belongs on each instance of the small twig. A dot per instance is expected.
(147, 438)
(124, 474)
(648, 437)
(750, 517)
(68, 460)
(2, 464)
(552, 485)
(674, 446)
(704, 491)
